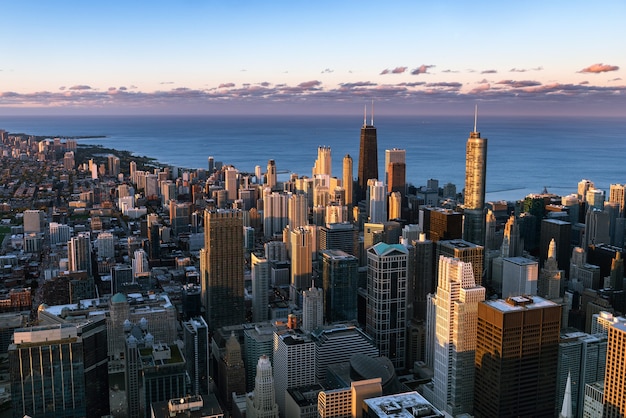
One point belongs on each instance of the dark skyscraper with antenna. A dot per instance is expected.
(368, 155)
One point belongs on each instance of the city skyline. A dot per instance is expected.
(257, 58)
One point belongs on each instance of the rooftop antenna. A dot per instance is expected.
(365, 115)
(372, 112)
(475, 116)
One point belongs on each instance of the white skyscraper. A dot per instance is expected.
(140, 262)
(230, 183)
(106, 245)
(378, 202)
(312, 309)
(260, 288)
(262, 402)
(519, 277)
(275, 212)
(456, 316)
(294, 363)
(59, 233)
(79, 253)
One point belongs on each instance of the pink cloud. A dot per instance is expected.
(519, 84)
(310, 84)
(226, 85)
(481, 88)
(80, 87)
(398, 70)
(422, 69)
(599, 68)
(488, 72)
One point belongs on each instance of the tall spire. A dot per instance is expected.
(372, 123)
(475, 117)
(566, 409)
(365, 115)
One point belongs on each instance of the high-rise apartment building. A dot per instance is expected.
(271, 175)
(368, 157)
(614, 378)
(516, 357)
(260, 273)
(33, 221)
(301, 244)
(276, 212)
(298, 208)
(348, 179)
(342, 236)
(617, 194)
(323, 164)
(59, 233)
(386, 318)
(221, 268)
(475, 180)
(79, 253)
(595, 198)
(180, 216)
(230, 183)
(456, 315)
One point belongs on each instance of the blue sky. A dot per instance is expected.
(322, 57)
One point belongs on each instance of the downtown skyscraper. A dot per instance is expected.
(221, 268)
(456, 315)
(386, 318)
(368, 156)
(516, 357)
(475, 177)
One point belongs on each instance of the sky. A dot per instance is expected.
(323, 57)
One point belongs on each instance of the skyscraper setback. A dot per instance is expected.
(368, 156)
